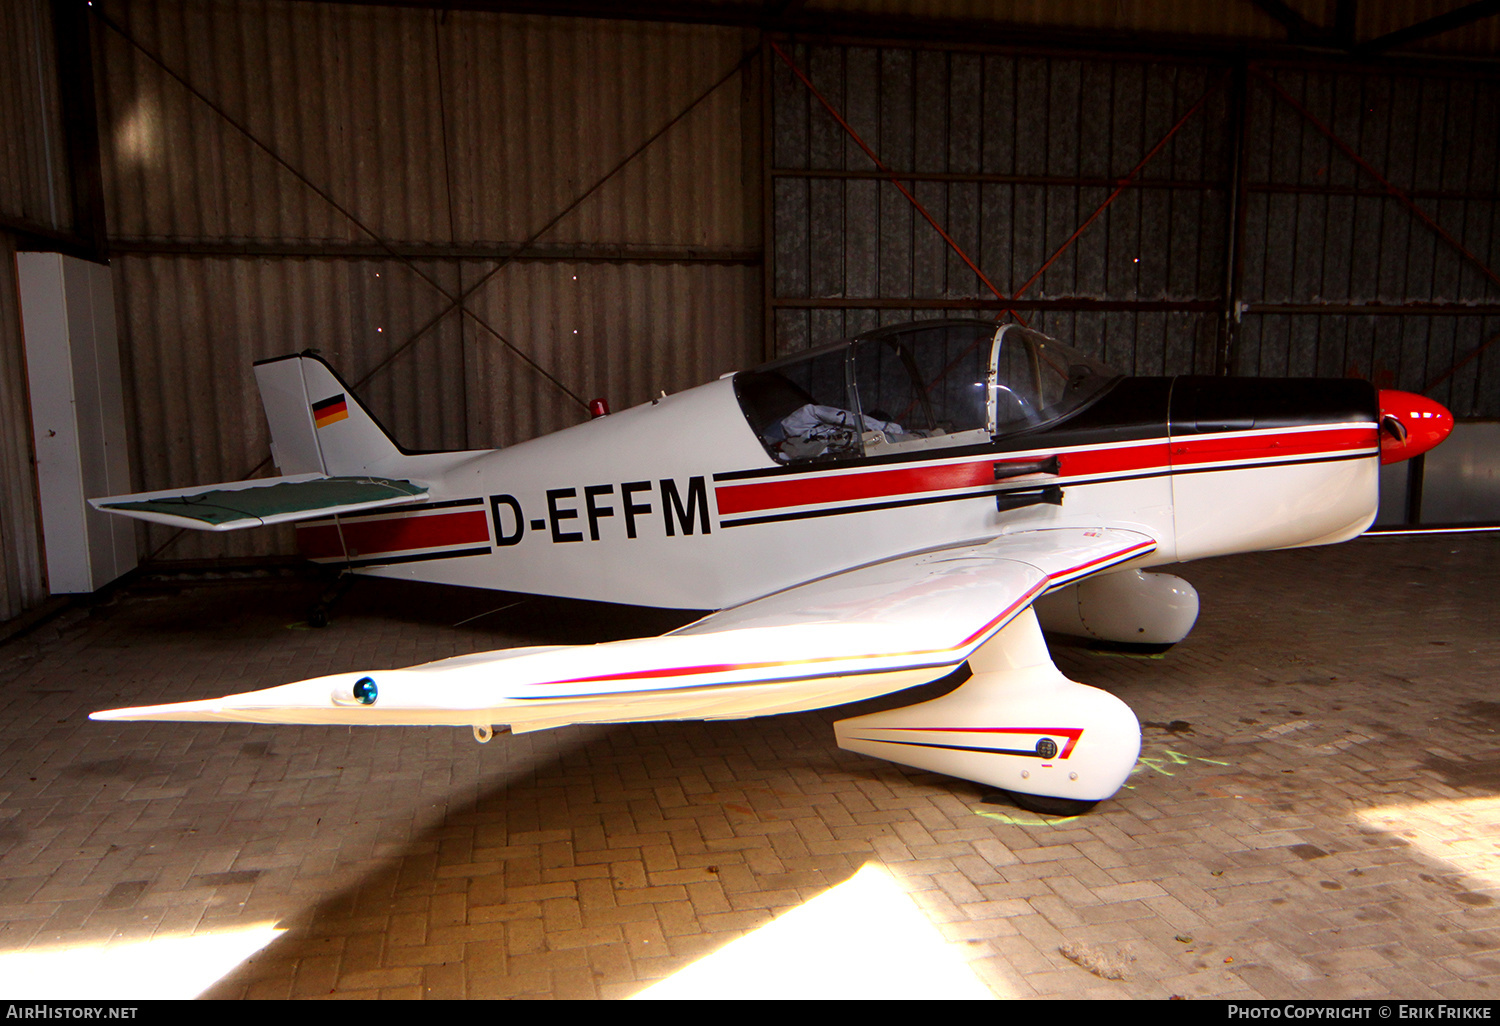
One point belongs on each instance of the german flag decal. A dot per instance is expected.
(330, 411)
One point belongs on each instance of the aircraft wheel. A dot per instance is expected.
(1047, 805)
(1129, 647)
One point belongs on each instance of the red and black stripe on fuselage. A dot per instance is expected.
(1139, 428)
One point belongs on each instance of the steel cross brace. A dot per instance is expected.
(1396, 193)
(895, 180)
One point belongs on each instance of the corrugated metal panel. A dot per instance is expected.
(1461, 477)
(1379, 19)
(1320, 230)
(1148, 342)
(196, 325)
(434, 129)
(429, 128)
(22, 582)
(1241, 19)
(1168, 17)
(549, 105)
(621, 331)
(1005, 150)
(1431, 136)
(33, 161)
(1018, 151)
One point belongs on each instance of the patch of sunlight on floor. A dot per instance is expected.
(162, 967)
(861, 939)
(1463, 833)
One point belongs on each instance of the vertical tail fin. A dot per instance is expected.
(318, 426)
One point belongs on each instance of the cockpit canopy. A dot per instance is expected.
(914, 387)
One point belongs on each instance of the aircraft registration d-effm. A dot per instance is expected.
(916, 502)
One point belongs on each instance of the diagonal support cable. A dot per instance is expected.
(531, 239)
(890, 175)
(454, 302)
(1395, 191)
(334, 203)
(1123, 183)
(896, 181)
(1400, 196)
(1435, 382)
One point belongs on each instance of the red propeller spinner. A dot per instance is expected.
(1410, 424)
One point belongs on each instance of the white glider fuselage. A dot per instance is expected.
(675, 503)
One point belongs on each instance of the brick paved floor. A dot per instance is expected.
(1316, 812)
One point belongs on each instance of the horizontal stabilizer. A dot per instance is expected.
(271, 500)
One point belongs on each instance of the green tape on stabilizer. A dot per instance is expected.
(224, 506)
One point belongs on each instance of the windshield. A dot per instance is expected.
(923, 386)
(1038, 380)
(928, 385)
(800, 407)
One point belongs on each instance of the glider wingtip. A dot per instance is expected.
(110, 715)
(182, 712)
(122, 716)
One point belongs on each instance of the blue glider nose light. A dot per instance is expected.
(365, 691)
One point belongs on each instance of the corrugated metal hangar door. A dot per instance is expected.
(1009, 153)
(482, 220)
(1271, 218)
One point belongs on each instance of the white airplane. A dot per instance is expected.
(915, 503)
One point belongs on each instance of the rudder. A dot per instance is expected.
(318, 425)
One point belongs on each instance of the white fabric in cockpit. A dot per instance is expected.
(814, 430)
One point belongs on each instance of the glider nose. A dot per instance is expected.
(1410, 424)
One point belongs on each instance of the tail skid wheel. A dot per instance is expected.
(321, 611)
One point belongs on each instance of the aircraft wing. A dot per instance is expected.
(851, 636)
(271, 500)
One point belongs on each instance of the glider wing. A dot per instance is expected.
(848, 637)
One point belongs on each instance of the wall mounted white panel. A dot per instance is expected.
(77, 416)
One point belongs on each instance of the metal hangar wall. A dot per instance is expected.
(1297, 219)
(485, 215)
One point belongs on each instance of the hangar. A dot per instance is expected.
(488, 213)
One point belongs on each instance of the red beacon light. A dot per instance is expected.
(1410, 424)
(600, 408)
